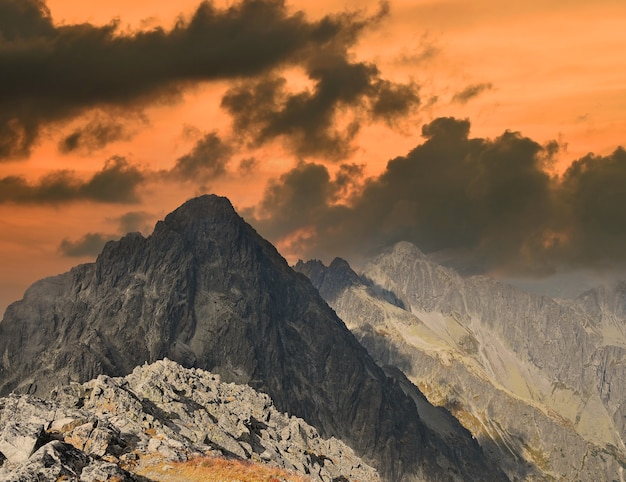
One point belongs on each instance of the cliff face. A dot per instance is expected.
(207, 291)
(539, 382)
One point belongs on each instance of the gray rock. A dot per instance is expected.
(93, 438)
(53, 461)
(67, 424)
(18, 440)
(191, 414)
(101, 471)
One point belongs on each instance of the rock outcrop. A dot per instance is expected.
(207, 291)
(539, 382)
(119, 427)
(33, 446)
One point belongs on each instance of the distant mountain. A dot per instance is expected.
(540, 383)
(205, 290)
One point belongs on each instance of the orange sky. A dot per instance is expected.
(549, 69)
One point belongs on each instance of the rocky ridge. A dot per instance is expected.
(206, 291)
(524, 373)
(118, 427)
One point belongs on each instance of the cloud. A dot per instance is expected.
(53, 73)
(424, 52)
(248, 165)
(393, 101)
(310, 120)
(297, 198)
(24, 20)
(207, 159)
(92, 136)
(136, 221)
(347, 180)
(492, 199)
(470, 92)
(117, 182)
(594, 188)
(89, 245)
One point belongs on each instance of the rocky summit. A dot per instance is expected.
(538, 381)
(155, 420)
(205, 290)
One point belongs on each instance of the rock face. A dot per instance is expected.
(207, 291)
(35, 450)
(539, 382)
(167, 412)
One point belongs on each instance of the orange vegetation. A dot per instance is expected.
(217, 469)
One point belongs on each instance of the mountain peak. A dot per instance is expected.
(339, 271)
(208, 227)
(204, 209)
(405, 248)
(207, 206)
(340, 264)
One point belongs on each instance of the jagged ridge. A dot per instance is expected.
(476, 346)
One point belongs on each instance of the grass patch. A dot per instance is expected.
(217, 469)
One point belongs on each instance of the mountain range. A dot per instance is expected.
(538, 381)
(207, 292)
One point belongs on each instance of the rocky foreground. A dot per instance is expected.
(122, 428)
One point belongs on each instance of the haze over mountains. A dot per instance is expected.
(206, 290)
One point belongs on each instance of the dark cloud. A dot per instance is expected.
(207, 159)
(301, 207)
(393, 101)
(456, 192)
(348, 180)
(248, 165)
(94, 135)
(298, 198)
(117, 182)
(136, 221)
(595, 189)
(89, 245)
(491, 198)
(266, 110)
(24, 19)
(308, 120)
(53, 73)
(470, 92)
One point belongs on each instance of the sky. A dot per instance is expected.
(488, 133)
